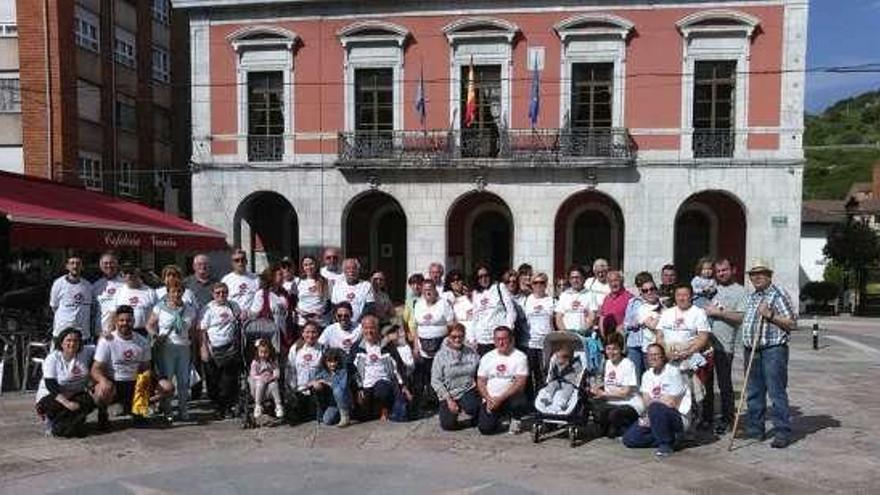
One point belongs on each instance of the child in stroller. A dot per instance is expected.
(562, 378)
(561, 403)
(264, 376)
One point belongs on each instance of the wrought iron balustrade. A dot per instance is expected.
(266, 148)
(486, 147)
(713, 143)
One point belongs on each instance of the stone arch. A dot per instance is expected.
(267, 227)
(710, 223)
(479, 228)
(589, 224)
(374, 231)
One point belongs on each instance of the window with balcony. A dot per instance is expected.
(713, 108)
(588, 130)
(90, 172)
(161, 65)
(480, 135)
(126, 114)
(265, 116)
(374, 110)
(10, 95)
(86, 30)
(127, 183)
(124, 51)
(161, 11)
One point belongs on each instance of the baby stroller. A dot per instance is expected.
(252, 331)
(574, 416)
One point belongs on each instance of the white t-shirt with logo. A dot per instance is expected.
(72, 303)
(680, 327)
(141, 299)
(500, 371)
(374, 365)
(493, 307)
(335, 337)
(573, 306)
(105, 301)
(432, 321)
(306, 361)
(220, 321)
(671, 381)
(620, 375)
(646, 312)
(309, 298)
(176, 334)
(358, 295)
(72, 376)
(597, 290)
(123, 357)
(241, 288)
(539, 313)
(464, 314)
(331, 277)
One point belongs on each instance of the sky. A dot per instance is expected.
(841, 32)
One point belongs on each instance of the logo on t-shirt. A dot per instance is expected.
(427, 317)
(484, 301)
(346, 342)
(307, 357)
(76, 371)
(111, 290)
(374, 357)
(655, 392)
(133, 300)
(224, 316)
(78, 298)
(575, 304)
(501, 368)
(539, 308)
(242, 289)
(612, 375)
(313, 288)
(128, 354)
(350, 296)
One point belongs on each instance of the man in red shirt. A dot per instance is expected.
(613, 309)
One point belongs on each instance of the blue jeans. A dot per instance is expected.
(665, 425)
(338, 398)
(174, 361)
(637, 357)
(769, 376)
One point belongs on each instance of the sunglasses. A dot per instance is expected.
(239, 260)
(331, 257)
(649, 290)
(456, 336)
(539, 282)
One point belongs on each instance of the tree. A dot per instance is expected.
(854, 247)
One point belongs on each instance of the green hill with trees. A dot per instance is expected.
(851, 130)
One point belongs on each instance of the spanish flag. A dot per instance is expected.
(470, 109)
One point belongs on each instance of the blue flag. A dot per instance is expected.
(421, 106)
(535, 99)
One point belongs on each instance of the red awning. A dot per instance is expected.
(46, 214)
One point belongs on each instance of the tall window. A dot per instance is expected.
(10, 96)
(265, 99)
(124, 48)
(86, 30)
(713, 112)
(161, 65)
(480, 138)
(591, 95)
(127, 184)
(126, 113)
(374, 111)
(161, 11)
(90, 172)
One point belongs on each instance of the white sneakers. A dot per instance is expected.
(344, 419)
(515, 426)
(258, 411)
(279, 412)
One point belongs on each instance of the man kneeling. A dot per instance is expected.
(501, 381)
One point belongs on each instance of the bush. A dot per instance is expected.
(820, 292)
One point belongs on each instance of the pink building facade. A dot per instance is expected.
(642, 133)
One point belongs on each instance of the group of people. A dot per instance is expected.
(330, 345)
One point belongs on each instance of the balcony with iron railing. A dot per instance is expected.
(265, 148)
(464, 148)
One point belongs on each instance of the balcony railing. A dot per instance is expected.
(487, 147)
(713, 143)
(265, 148)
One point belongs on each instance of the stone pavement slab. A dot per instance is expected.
(836, 450)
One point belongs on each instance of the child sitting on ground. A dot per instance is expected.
(562, 380)
(264, 376)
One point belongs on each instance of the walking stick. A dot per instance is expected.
(742, 397)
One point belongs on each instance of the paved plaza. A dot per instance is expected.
(836, 449)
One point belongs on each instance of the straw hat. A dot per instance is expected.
(760, 265)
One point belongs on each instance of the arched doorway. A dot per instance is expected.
(479, 229)
(589, 225)
(375, 233)
(266, 226)
(710, 223)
